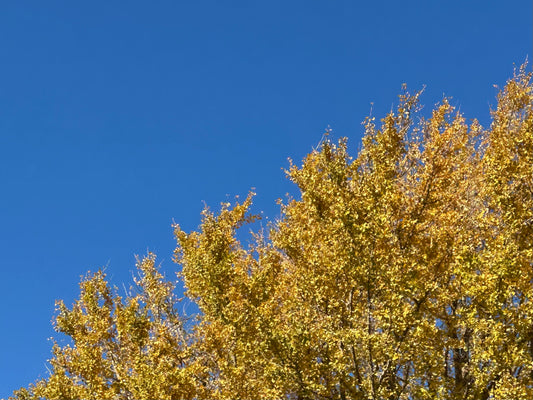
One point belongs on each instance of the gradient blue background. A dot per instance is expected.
(118, 117)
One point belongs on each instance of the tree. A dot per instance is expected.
(135, 348)
(404, 273)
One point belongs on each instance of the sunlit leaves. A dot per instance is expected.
(405, 272)
(120, 349)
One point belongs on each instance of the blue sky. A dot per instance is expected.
(117, 118)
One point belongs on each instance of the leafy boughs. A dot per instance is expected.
(403, 273)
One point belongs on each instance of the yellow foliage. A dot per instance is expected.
(403, 273)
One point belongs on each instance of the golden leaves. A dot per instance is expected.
(403, 273)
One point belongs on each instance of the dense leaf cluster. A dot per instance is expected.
(403, 273)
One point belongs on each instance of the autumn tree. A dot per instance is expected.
(403, 273)
(132, 348)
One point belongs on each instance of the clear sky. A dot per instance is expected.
(117, 118)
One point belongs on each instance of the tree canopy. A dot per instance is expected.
(405, 272)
